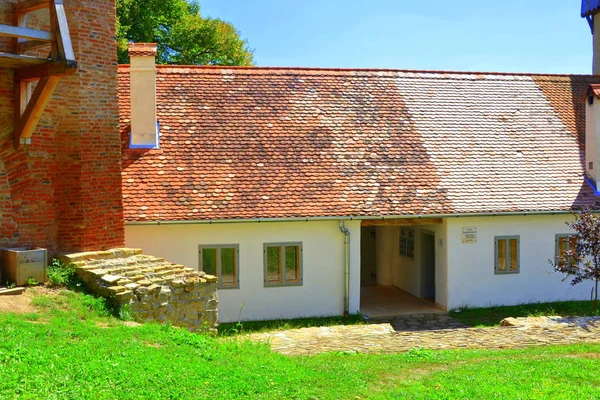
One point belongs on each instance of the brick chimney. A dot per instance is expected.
(144, 127)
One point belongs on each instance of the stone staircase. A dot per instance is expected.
(153, 289)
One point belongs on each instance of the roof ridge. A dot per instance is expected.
(216, 68)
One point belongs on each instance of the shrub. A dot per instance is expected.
(32, 282)
(62, 275)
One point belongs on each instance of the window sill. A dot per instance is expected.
(507, 272)
(271, 285)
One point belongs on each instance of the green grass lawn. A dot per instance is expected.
(491, 316)
(73, 349)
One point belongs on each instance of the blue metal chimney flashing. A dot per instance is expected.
(147, 146)
(592, 185)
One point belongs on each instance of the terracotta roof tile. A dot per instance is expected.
(239, 143)
(142, 49)
(594, 90)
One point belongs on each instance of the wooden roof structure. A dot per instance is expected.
(46, 71)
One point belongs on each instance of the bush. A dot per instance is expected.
(62, 275)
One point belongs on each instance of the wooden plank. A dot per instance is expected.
(36, 72)
(12, 291)
(401, 222)
(12, 61)
(26, 33)
(30, 45)
(61, 27)
(26, 6)
(40, 98)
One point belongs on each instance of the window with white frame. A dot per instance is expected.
(564, 243)
(506, 252)
(221, 261)
(283, 264)
(407, 243)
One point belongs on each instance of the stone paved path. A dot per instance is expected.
(382, 338)
(421, 322)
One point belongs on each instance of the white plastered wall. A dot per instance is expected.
(322, 292)
(471, 278)
(401, 272)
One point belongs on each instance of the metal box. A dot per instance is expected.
(21, 263)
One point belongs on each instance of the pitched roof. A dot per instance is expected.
(241, 143)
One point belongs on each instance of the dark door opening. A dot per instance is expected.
(368, 257)
(428, 265)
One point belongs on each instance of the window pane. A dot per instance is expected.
(228, 267)
(292, 264)
(273, 264)
(562, 245)
(572, 242)
(513, 254)
(501, 250)
(209, 261)
(410, 248)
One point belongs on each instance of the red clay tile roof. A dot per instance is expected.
(241, 143)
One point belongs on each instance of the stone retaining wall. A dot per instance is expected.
(153, 289)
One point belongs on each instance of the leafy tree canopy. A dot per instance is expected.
(581, 261)
(182, 34)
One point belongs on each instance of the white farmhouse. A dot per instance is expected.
(314, 192)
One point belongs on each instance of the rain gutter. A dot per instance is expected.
(346, 233)
(345, 218)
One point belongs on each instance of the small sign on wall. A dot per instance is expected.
(469, 234)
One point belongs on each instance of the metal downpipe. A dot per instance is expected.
(346, 233)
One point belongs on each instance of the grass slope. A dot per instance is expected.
(72, 348)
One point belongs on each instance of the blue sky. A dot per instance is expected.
(475, 35)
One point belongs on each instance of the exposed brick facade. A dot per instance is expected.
(63, 191)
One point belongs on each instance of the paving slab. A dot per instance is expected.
(402, 334)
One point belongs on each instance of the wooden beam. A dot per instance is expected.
(401, 222)
(18, 20)
(60, 26)
(13, 61)
(35, 108)
(30, 45)
(26, 33)
(36, 72)
(26, 6)
(20, 105)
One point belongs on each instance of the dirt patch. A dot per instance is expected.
(583, 355)
(21, 303)
(131, 323)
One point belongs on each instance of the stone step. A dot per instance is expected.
(133, 272)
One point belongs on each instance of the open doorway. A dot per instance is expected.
(398, 268)
(368, 256)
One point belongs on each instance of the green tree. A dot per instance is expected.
(581, 261)
(182, 34)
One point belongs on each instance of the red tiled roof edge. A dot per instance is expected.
(375, 70)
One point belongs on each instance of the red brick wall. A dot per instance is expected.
(63, 191)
